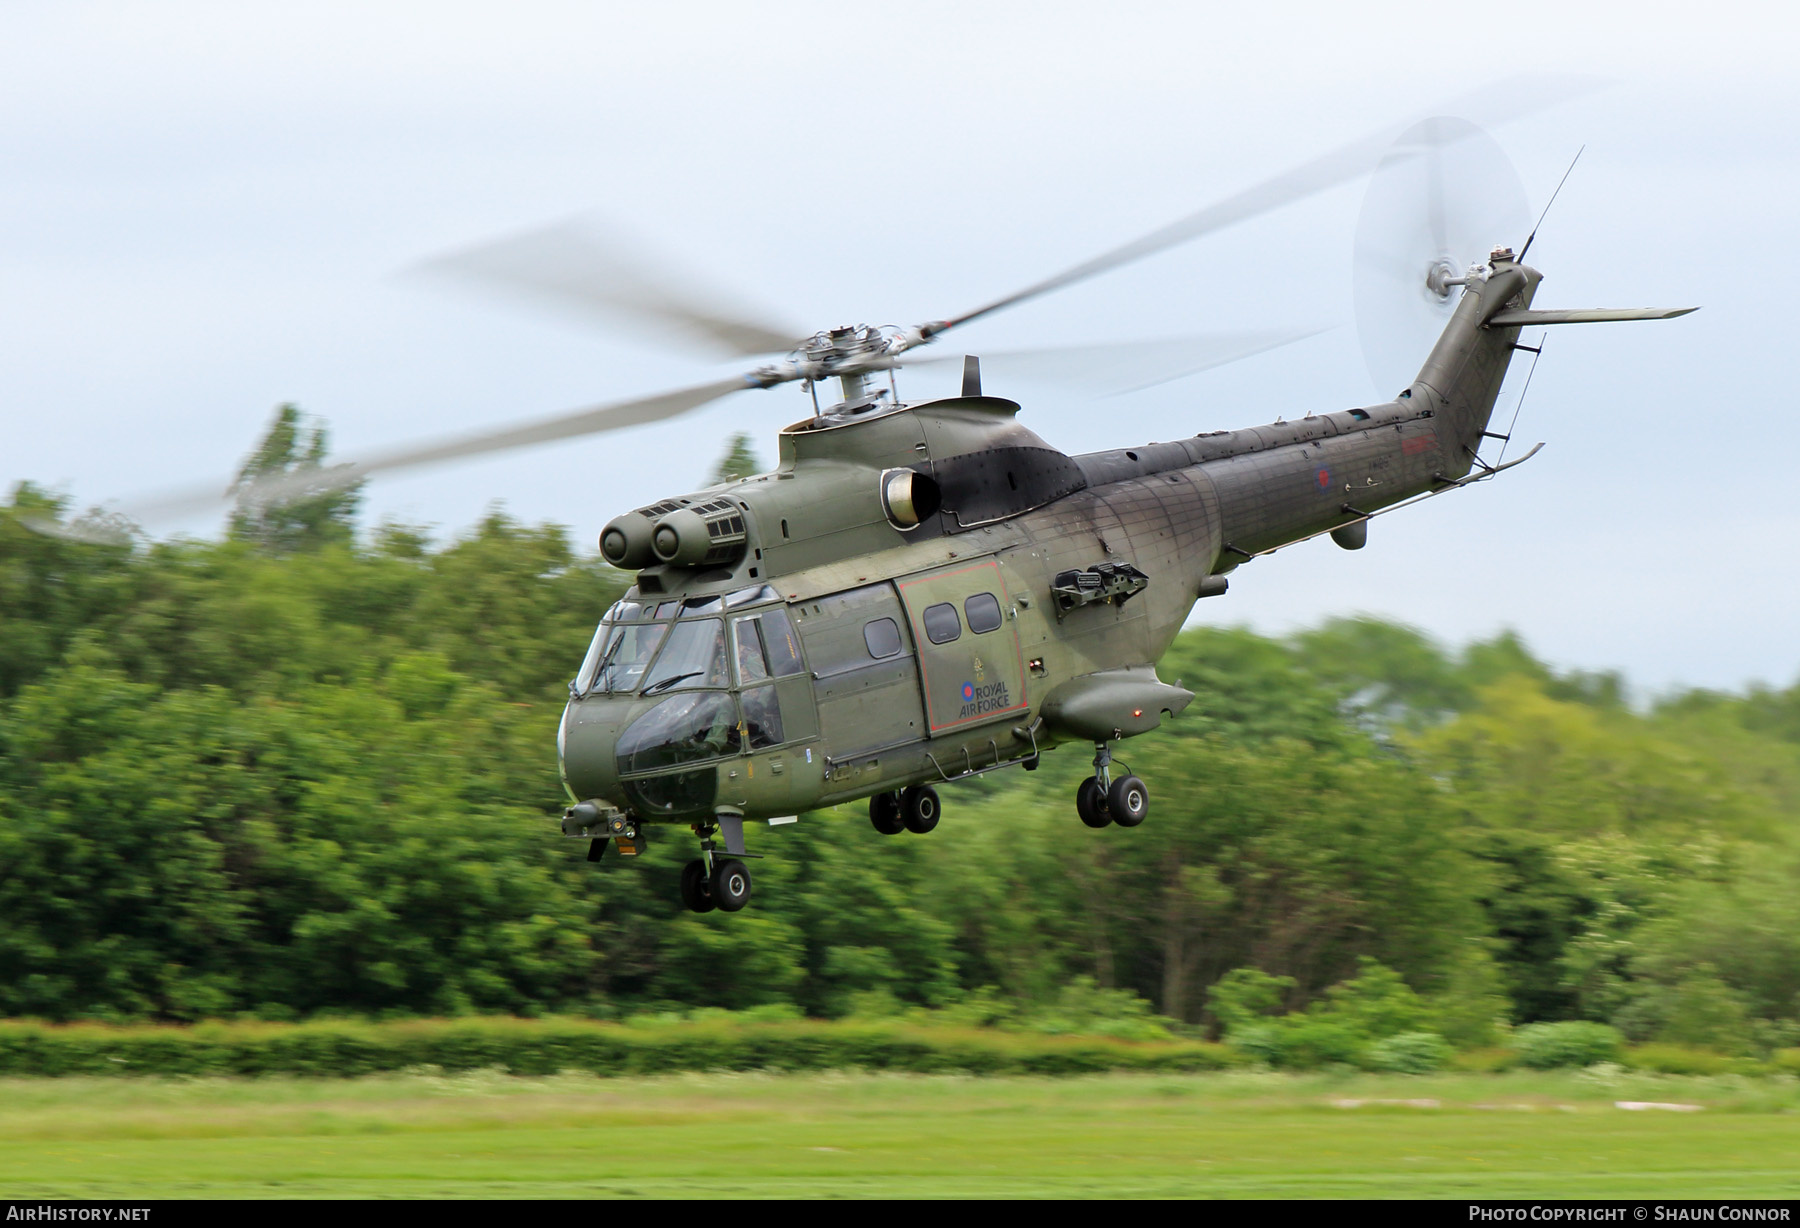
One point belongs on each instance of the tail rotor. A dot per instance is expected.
(1441, 199)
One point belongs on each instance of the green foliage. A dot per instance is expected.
(292, 454)
(296, 773)
(714, 1040)
(1409, 1053)
(1245, 997)
(1378, 1003)
(1678, 1060)
(1302, 1042)
(1543, 1046)
(1353, 1022)
(1085, 1009)
(738, 461)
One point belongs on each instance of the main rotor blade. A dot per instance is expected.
(1504, 100)
(591, 421)
(571, 265)
(1126, 366)
(308, 483)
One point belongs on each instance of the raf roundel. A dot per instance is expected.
(968, 692)
(1324, 478)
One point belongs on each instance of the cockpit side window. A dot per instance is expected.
(752, 665)
(762, 717)
(584, 677)
(780, 643)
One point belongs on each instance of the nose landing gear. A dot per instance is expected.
(710, 881)
(1101, 799)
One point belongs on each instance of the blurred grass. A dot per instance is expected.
(738, 1135)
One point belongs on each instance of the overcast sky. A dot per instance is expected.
(205, 211)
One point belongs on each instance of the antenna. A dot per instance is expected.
(1530, 239)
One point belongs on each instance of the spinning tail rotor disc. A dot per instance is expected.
(1443, 197)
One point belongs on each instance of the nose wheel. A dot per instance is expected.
(1103, 799)
(716, 881)
(725, 887)
(696, 887)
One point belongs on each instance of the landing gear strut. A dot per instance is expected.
(1101, 799)
(711, 881)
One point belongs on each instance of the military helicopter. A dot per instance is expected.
(923, 592)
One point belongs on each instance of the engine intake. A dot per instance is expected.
(908, 497)
(704, 535)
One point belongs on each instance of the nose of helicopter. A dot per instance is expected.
(585, 742)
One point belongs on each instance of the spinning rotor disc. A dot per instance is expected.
(1443, 197)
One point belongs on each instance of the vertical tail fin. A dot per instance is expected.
(1462, 377)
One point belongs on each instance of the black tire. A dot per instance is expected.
(696, 891)
(884, 813)
(1128, 801)
(730, 885)
(1090, 804)
(920, 809)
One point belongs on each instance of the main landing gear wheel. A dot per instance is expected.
(920, 808)
(1128, 801)
(696, 889)
(730, 885)
(1090, 803)
(884, 813)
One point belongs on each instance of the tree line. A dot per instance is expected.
(305, 771)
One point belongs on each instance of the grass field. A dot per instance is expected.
(1236, 1134)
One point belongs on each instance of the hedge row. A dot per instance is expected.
(545, 1046)
(1648, 1059)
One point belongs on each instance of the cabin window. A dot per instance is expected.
(941, 623)
(883, 638)
(762, 718)
(693, 657)
(684, 729)
(983, 610)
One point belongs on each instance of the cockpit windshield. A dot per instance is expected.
(621, 662)
(693, 648)
(695, 657)
(621, 649)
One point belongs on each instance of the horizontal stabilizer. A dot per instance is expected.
(1596, 315)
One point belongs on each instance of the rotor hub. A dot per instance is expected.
(1442, 274)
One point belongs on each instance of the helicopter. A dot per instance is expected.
(924, 592)
(921, 593)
